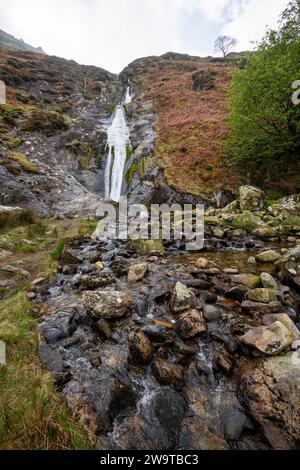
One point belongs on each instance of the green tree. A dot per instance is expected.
(264, 139)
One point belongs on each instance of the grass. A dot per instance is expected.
(22, 160)
(32, 414)
(144, 247)
(17, 219)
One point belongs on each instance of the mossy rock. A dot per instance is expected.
(246, 221)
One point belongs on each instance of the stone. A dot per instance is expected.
(287, 322)
(251, 198)
(269, 340)
(190, 324)
(264, 296)
(69, 256)
(231, 271)
(211, 313)
(237, 293)
(201, 263)
(223, 361)
(182, 298)
(140, 349)
(258, 308)
(296, 345)
(107, 304)
(269, 388)
(168, 373)
(137, 272)
(268, 281)
(269, 256)
(31, 296)
(38, 281)
(4, 254)
(94, 281)
(251, 260)
(103, 328)
(181, 348)
(248, 280)
(99, 266)
(13, 270)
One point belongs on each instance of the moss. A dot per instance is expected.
(21, 159)
(246, 221)
(11, 142)
(46, 121)
(129, 152)
(137, 167)
(144, 247)
(292, 220)
(85, 152)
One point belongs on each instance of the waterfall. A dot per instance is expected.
(117, 140)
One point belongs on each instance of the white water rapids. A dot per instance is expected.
(117, 140)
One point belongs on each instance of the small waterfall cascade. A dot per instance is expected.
(117, 140)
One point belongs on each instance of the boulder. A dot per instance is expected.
(104, 304)
(249, 280)
(168, 373)
(140, 349)
(285, 319)
(268, 281)
(182, 298)
(269, 256)
(211, 313)
(69, 256)
(269, 340)
(94, 281)
(265, 296)
(251, 199)
(270, 390)
(190, 324)
(137, 272)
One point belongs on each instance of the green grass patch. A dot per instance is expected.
(32, 415)
(16, 219)
(22, 160)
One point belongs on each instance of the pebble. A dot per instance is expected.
(230, 271)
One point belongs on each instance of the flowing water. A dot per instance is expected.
(117, 140)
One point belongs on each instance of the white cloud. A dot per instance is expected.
(112, 33)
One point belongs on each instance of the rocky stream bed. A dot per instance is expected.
(173, 350)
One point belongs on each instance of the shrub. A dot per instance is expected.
(46, 121)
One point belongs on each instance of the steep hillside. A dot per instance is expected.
(189, 97)
(53, 131)
(7, 41)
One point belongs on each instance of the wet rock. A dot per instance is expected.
(96, 359)
(237, 293)
(107, 304)
(230, 271)
(119, 267)
(182, 298)
(158, 333)
(190, 324)
(69, 256)
(269, 256)
(37, 282)
(168, 373)
(140, 349)
(270, 340)
(197, 284)
(251, 260)
(270, 390)
(223, 361)
(251, 199)
(52, 357)
(94, 281)
(268, 281)
(248, 280)
(254, 308)
(211, 313)
(103, 328)
(264, 296)
(99, 266)
(181, 348)
(137, 272)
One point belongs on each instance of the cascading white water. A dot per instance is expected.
(117, 141)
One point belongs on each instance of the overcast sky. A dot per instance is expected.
(112, 33)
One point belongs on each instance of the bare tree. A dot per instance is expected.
(225, 44)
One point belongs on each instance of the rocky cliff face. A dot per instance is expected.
(53, 132)
(7, 41)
